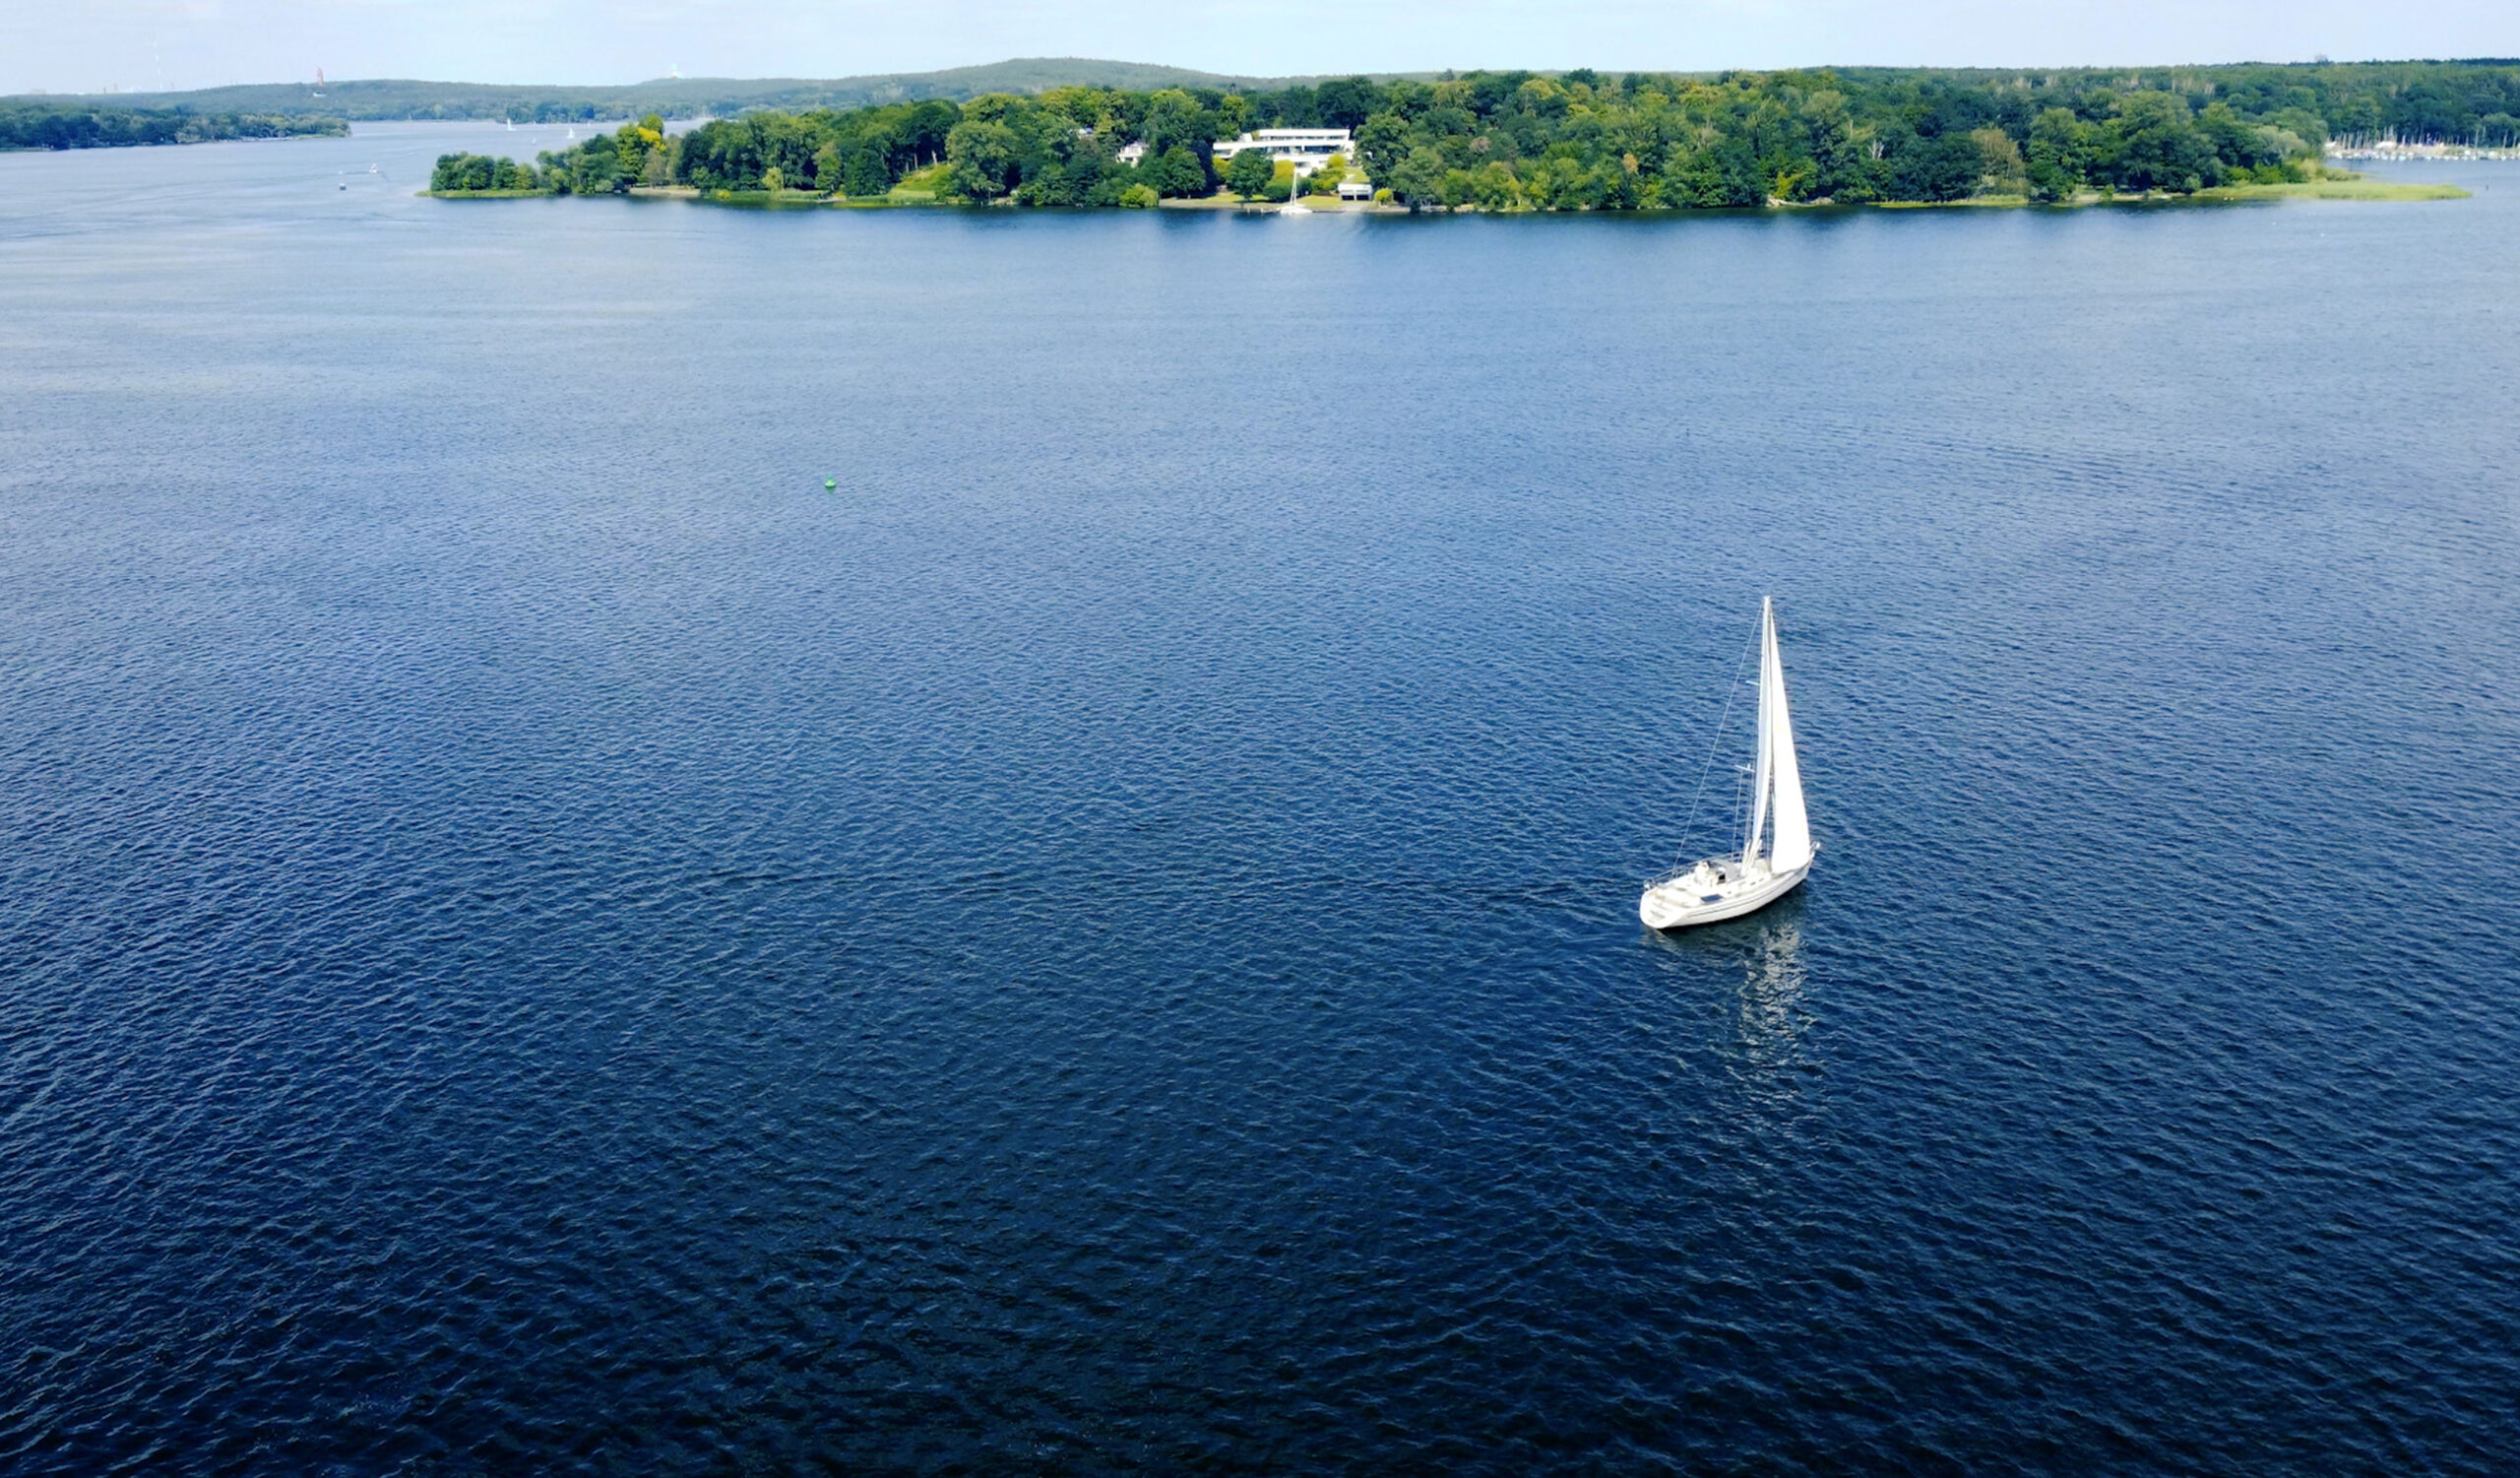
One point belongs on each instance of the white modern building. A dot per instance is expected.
(1304, 148)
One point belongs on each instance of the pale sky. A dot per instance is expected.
(88, 46)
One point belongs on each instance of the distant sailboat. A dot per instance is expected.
(1294, 204)
(1727, 887)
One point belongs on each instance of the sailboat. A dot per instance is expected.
(1727, 887)
(1294, 204)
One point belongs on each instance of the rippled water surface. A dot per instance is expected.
(534, 938)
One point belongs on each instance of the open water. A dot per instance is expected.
(534, 938)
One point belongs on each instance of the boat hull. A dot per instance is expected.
(1678, 904)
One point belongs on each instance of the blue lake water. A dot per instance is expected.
(534, 938)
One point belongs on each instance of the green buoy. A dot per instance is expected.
(830, 483)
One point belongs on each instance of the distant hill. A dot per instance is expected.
(722, 97)
(671, 97)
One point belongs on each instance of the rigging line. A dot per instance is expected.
(1731, 694)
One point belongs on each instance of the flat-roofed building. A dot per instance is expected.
(1304, 148)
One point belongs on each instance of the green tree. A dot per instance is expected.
(1999, 159)
(922, 135)
(474, 173)
(1939, 169)
(1496, 189)
(1622, 188)
(1175, 121)
(2152, 144)
(983, 154)
(1382, 145)
(1418, 182)
(1836, 142)
(866, 171)
(2057, 154)
(1249, 172)
(1716, 175)
(1176, 173)
(1344, 103)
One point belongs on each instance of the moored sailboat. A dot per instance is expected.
(1727, 887)
(1294, 204)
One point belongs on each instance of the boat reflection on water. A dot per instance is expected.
(1771, 1013)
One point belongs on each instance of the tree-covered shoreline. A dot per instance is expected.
(38, 125)
(1520, 141)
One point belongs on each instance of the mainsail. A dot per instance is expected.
(1776, 787)
(1793, 842)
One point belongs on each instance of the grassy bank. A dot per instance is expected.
(1973, 202)
(2337, 189)
(919, 186)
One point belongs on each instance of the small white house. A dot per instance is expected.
(1355, 189)
(1130, 153)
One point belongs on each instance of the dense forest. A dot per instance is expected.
(39, 125)
(1513, 141)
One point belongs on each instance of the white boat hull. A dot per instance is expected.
(1692, 898)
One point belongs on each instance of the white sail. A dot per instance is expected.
(1766, 773)
(1792, 847)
